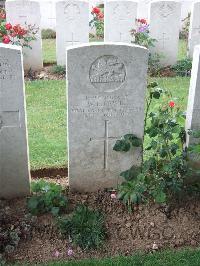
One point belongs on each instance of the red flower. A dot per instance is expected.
(96, 10)
(143, 21)
(171, 104)
(3, 16)
(6, 39)
(101, 16)
(8, 26)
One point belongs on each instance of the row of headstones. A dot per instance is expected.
(106, 95)
(48, 10)
(120, 16)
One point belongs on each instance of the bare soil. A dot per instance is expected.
(45, 74)
(148, 228)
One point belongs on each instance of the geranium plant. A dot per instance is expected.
(141, 34)
(142, 37)
(16, 34)
(97, 21)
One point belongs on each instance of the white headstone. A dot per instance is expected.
(194, 33)
(120, 19)
(27, 13)
(14, 163)
(165, 17)
(48, 14)
(143, 8)
(72, 26)
(193, 108)
(106, 96)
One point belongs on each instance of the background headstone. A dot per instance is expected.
(14, 163)
(143, 8)
(193, 108)
(72, 26)
(25, 13)
(106, 95)
(120, 19)
(48, 14)
(194, 33)
(165, 17)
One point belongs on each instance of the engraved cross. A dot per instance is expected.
(163, 39)
(9, 119)
(105, 139)
(72, 39)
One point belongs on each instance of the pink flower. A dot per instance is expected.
(113, 195)
(56, 254)
(70, 252)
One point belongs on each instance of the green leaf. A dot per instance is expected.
(160, 197)
(55, 211)
(122, 145)
(133, 139)
(130, 173)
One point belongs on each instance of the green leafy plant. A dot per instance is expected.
(58, 69)
(47, 197)
(165, 158)
(183, 67)
(141, 34)
(85, 227)
(142, 37)
(48, 34)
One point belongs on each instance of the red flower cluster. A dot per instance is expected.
(12, 32)
(97, 11)
(172, 104)
(142, 20)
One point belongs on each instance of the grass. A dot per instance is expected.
(168, 258)
(49, 51)
(46, 110)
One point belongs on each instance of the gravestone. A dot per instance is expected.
(120, 19)
(143, 8)
(14, 163)
(48, 14)
(27, 13)
(194, 32)
(165, 17)
(193, 108)
(72, 26)
(106, 95)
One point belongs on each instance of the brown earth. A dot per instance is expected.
(45, 74)
(148, 228)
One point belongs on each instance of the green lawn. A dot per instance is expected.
(46, 109)
(49, 50)
(166, 258)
